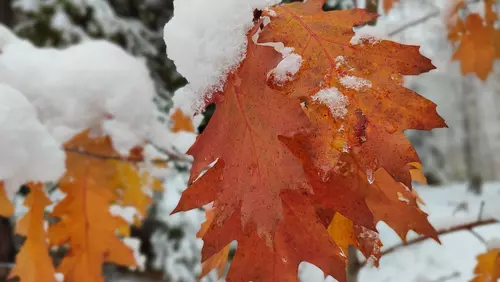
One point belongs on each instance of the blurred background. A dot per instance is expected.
(462, 163)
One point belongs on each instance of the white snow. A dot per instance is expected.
(334, 100)
(135, 245)
(28, 151)
(288, 67)
(95, 84)
(206, 43)
(361, 38)
(356, 83)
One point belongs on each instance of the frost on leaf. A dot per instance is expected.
(334, 100)
(288, 165)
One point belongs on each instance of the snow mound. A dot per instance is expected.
(29, 152)
(206, 43)
(95, 84)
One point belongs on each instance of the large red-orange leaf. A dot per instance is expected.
(33, 262)
(85, 223)
(243, 135)
(284, 169)
(366, 109)
(488, 267)
(6, 207)
(259, 188)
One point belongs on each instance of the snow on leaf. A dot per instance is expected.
(33, 262)
(258, 187)
(376, 115)
(334, 100)
(283, 170)
(488, 267)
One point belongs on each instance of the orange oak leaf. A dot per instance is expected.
(488, 267)
(345, 234)
(388, 4)
(6, 207)
(181, 122)
(85, 223)
(354, 93)
(284, 169)
(416, 173)
(257, 185)
(33, 262)
(217, 261)
(355, 98)
(478, 46)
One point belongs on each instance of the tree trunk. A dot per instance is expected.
(472, 131)
(6, 13)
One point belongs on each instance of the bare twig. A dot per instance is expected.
(435, 13)
(415, 22)
(447, 277)
(107, 157)
(462, 227)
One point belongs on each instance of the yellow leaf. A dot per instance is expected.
(181, 122)
(33, 263)
(6, 207)
(85, 222)
(341, 229)
(488, 267)
(417, 174)
(217, 261)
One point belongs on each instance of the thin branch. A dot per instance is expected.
(462, 227)
(415, 22)
(107, 157)
(421, 20)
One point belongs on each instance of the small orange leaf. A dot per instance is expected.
(6, 207)
(342, 231)
(181, 122)
(488, 267)
(33, 262)
(416, 173)
(479, 44)
(217, 261)
(388, 4)
(85, 222)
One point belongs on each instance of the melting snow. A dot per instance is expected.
(336, 101)
(354, 82)
(288, 67)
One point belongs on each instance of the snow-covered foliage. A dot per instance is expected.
(29, 152)
(134, 26)
(207, 49)
(94, 84)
